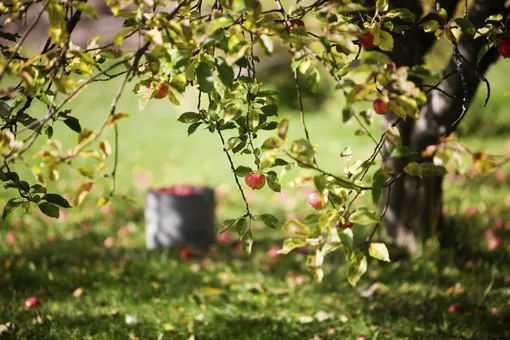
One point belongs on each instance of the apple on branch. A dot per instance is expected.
(255, 180)
(316, 200)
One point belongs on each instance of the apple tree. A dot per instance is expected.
(372, 50)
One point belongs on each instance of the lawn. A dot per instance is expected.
(95, 279)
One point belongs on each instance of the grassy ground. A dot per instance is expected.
(89, 290)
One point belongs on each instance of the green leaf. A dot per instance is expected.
(38, 189)
(282, 128)
(347, 239)
(364, 216)
(102, 202)
(384, 41)
(267, 43)
(402, 151)
(270, 221)
(57, 199)
(425, 169)
(225, 72)
(483, 51)
(21, 185)
(57, 29)
(153, 61)
(85, 8)
(270, 110)
(401, 13)
(173, 98)
(86, 171)
(465, 25)
(280, 162)
(430, 26)
(312, 80)
(397, 109)
(347, 113)
(49, 209)
(290, 244)
(179, 82)
(189, 117)
(119, 37)
(239, 5)
(226, 225)
(272, 143)
(346, 154)
(243, 171)
(9, 36)
(48, 130)
(193, 127)
(73, 123)
(382, 5)
(357, 267)
(10, 206)
(430, 169)
(379, 251)
(247, 242)
(377, 185)
(442, 13)
(272, 181)
(204, 77)
(242, 227)
(413, 169)
(11, 176)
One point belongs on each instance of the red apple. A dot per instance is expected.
(272, 253)
(239, 247)
(380, 107)
(490, 234)
(303, 250)
(493, 243)
(507, 280)
(367, 40)
(455, 307)
(162, 91)
(109, 242)
(31, 302)
(183, 190)
(472, 211)
(11, 237)
(186, 254)
(315, 200)
(500, 223)
(255, 180)
(223, 238)
(504, 48)
(297, 22)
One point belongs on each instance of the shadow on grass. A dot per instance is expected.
(133, 279)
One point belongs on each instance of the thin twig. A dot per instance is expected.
(302, 112)
(369, 238)
(232, 167)
(339, 179)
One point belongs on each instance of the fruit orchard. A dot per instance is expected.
(216, 48)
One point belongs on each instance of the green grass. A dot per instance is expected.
(223, 294)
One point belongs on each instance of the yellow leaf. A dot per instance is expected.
(112, 119)
(105, 147)
(82, 192)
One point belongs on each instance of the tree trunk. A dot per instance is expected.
(414, 213)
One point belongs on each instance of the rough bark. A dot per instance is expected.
(415, 204)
